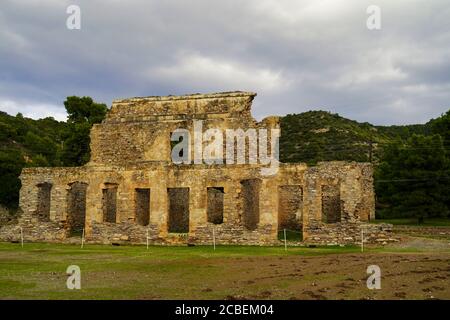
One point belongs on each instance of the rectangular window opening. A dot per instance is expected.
(215, 197)
(178, 220)
(142, 206)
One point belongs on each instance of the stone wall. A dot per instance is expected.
(141, 127)
(142, 205)
(246, 193)
(178, 215)
(350, 233)
(76, 207)
(131, 153)
(215, 205)
(6, 217)
(331, 203)
(250, 191)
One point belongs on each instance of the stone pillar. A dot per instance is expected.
(269, 207)
(94, 211)
(159, 208)
(312, 201)
(58, 202)
(27, 198)
(367, 187)
(125, 202)
(197, 207)
(269, 203)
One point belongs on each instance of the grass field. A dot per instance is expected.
(417, 271)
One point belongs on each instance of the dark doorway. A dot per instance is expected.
(76, 208)
(331, 204)
(215, 205)
(290, 200)
(178, 210)
(250, 195)
(43, 201)
(142, 206)
(109, 203)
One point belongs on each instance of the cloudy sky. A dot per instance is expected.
(298, 55)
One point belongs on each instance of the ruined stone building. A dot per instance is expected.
(131, 189)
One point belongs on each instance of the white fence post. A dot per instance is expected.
(214, 238)
(21, 236)
(362, 239)
(147, 238)
(82, 239)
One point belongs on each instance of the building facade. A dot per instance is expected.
(131, 190)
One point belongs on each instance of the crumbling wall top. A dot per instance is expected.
(236, 104)
(193, 96)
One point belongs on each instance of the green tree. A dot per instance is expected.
(6, 131)
(412, 179)
(11, 164)
(41, 145)
(441, 126)
(39, 161)
(82, 114)
(84, 110)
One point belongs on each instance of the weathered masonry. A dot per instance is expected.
(131, 189)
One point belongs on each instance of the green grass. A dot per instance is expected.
(133, 272)
(127, 272)
(432, 222)
(172, 252)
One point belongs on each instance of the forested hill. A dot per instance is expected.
(37, 141)
(321, 136)
(26, 142)
(306, 137)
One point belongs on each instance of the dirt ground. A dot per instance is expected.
(404, 276)
(416, 268)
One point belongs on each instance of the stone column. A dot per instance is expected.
(197, 207)
(159, 208)
(94, 211)
(58, 202)
(311, 202)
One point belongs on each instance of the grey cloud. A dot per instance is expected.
(297, 55)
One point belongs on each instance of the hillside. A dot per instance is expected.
(26, 142)
(38, 141)
(307, 137)
(45, 142)
(321, 136)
